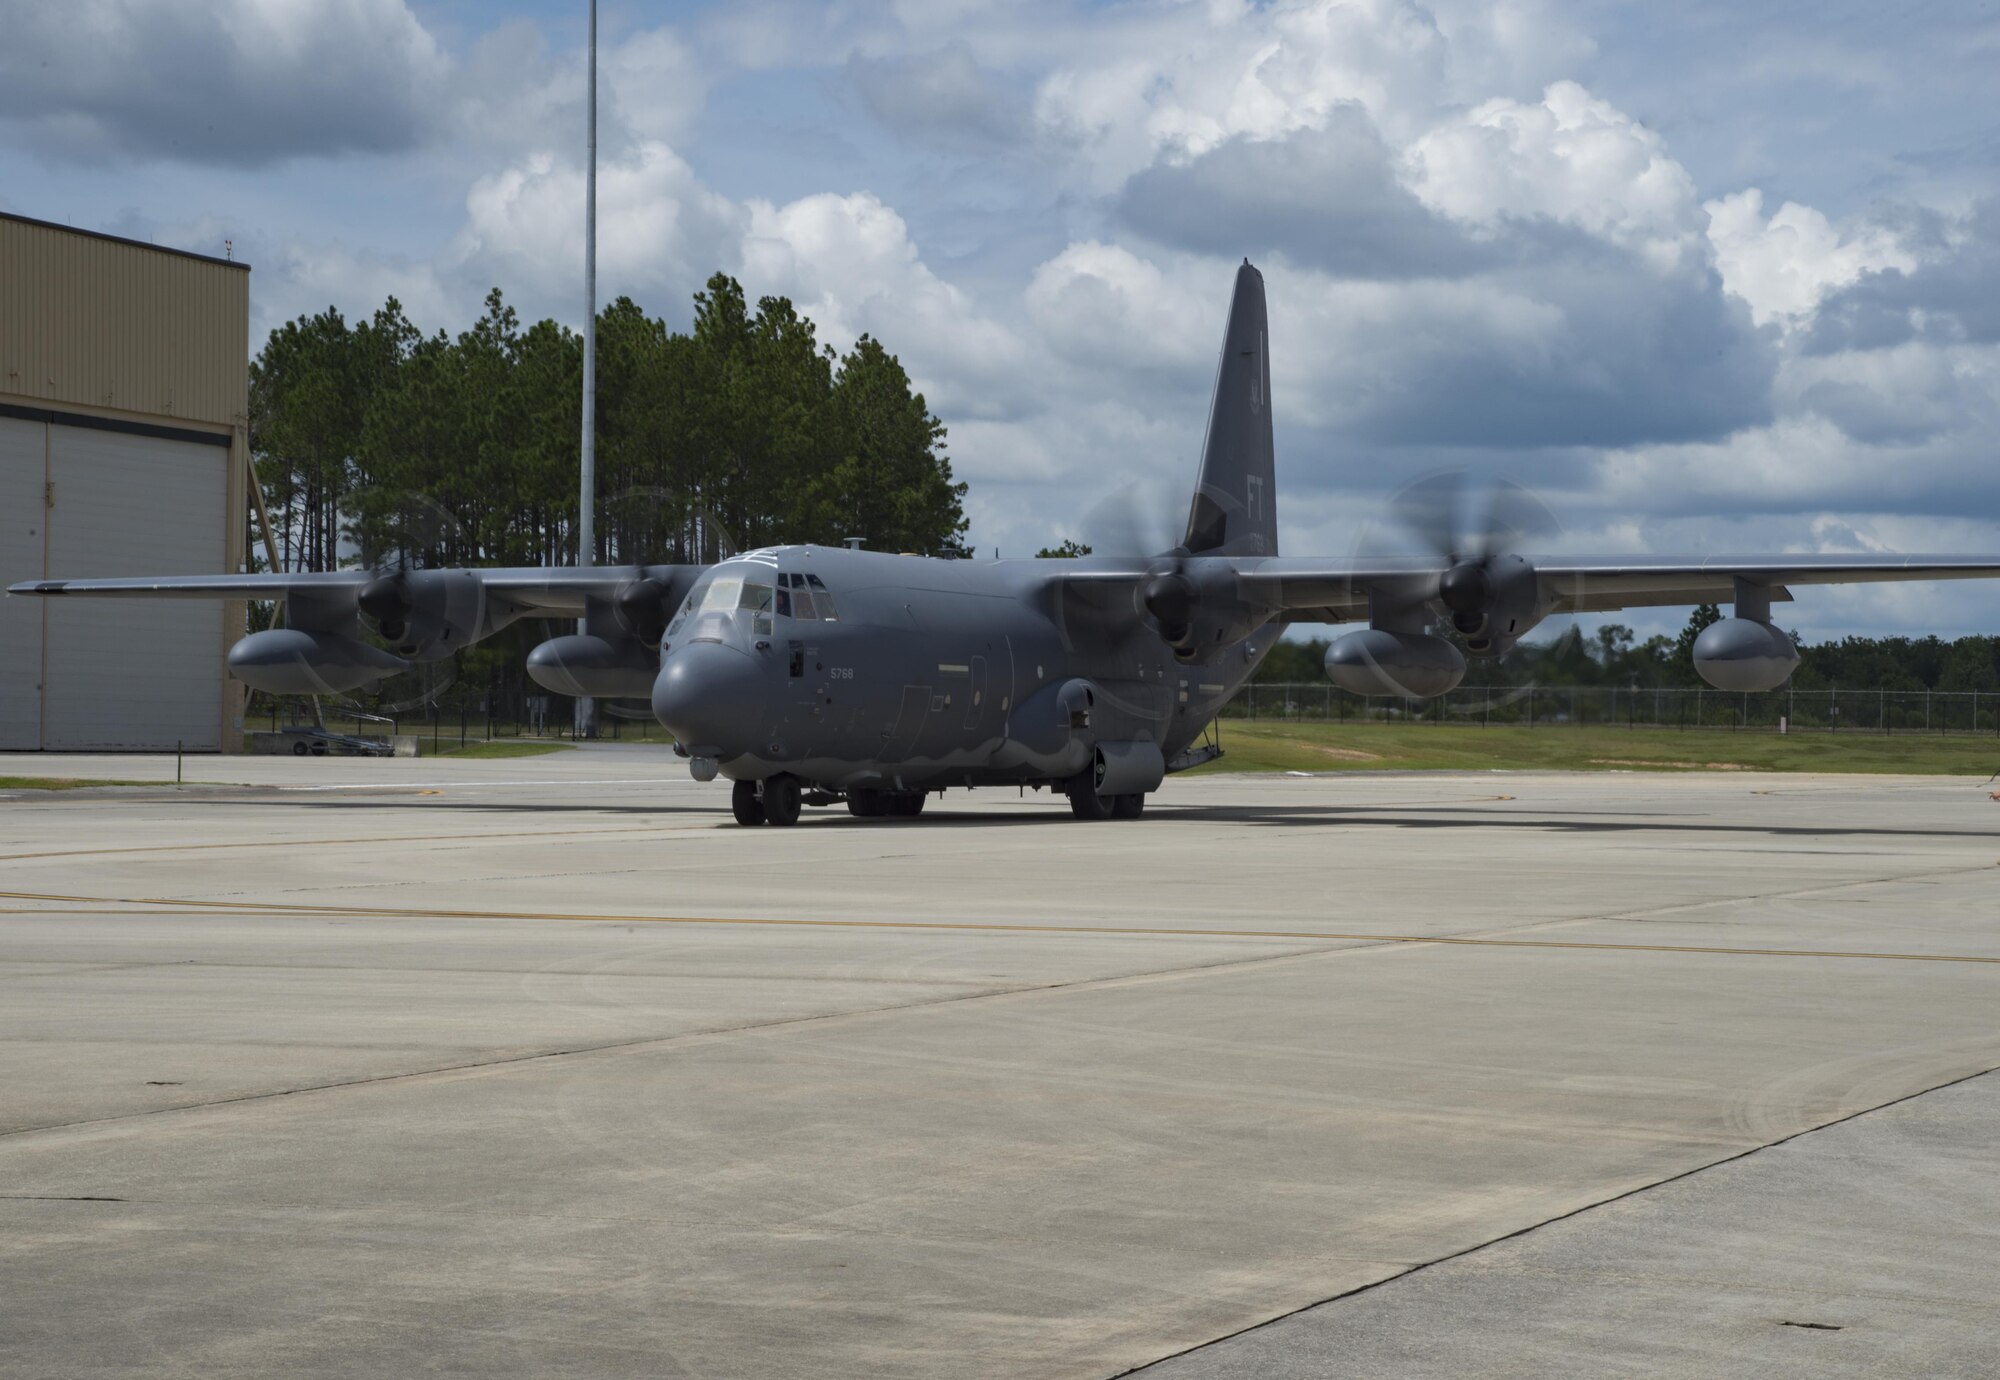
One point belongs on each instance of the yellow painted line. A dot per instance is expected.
(992, 927)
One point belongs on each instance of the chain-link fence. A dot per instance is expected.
(1832, 710)
(459, 718)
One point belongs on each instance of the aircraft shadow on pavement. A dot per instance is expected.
(1260, 816)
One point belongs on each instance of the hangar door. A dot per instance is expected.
(23, 473)
(117, 673)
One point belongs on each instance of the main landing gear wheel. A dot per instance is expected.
(743, 800)
(865, 804)
(781, 799)
(1084, 801)
(1127, 806)
(907, 804)
(300, 749)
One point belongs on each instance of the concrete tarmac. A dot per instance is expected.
(544, 1067)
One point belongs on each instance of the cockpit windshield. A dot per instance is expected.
(713, 604)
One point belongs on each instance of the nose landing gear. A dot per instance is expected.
(774, 800)
(781, 799)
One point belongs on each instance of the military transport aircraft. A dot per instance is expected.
(816, 675)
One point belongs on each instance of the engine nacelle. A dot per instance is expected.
(1741, 655)
(1196, 609)
(1493, 601)
(1376, 661)
(587, 665)
(427, 615)
(293, 661)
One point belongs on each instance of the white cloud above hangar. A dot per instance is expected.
(1496, 236)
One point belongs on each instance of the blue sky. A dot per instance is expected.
(1708, 277)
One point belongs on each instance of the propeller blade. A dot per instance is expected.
(1134, 522)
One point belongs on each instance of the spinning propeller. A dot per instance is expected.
(1138, 526)
(403, 536)
(1474, 529)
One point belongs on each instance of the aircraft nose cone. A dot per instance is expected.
(712, 698)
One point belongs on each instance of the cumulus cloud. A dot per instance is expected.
(513, 93)
(848, 262)
(1945, 292)
(1104, 307)
(1569, 157)
(941, 97)
(301, 278)
(241, 82)
(1902, 393)
(1210, 74)
(661, 231)
(1328, 197)
(1784, 265)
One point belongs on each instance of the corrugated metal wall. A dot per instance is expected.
(132, 673)
(102, 323)
(93, 327)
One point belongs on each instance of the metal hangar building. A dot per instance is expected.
(124, 406)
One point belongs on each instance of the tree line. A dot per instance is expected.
(378, 443)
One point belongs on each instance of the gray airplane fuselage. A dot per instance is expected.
(931, 673)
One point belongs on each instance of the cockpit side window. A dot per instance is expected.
(804, 597)
(757, 599)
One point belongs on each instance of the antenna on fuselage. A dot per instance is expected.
(852, 543)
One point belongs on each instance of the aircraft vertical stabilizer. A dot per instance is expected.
(1235, 510)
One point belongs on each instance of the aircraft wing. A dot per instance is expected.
(540, 589)
(1337, 591)
(202, 586)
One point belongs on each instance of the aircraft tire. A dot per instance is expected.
(1084, 801)
(1127, 806)
(744, 802)
(908, 805)
(865, 804)
(781, 800)
(300, 749)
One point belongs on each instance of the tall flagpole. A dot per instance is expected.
(586, 512)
